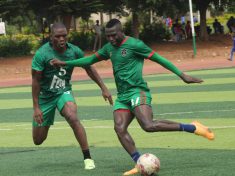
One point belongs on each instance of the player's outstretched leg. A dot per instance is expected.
(202, 130)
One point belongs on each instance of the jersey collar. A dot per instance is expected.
(67, 46)
(123, 41)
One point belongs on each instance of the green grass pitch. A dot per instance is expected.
(181, 154)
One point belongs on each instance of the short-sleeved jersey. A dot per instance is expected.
(54, 80)
(127, 60)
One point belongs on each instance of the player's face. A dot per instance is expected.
(114, 35)
(59, 38)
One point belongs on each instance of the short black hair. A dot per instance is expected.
(112, 23)
(57, 25)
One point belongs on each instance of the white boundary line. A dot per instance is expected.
(192, 112)
(107, 127)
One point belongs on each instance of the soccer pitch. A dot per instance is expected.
(181, 154)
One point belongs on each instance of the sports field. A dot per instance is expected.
(181, 154)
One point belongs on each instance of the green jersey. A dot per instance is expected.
(127, 60)
(54, 80)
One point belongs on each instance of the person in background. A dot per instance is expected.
(230, 24)
(217, 27)
(233, 39)
(177, 31)
(188, 30)
(98, 34)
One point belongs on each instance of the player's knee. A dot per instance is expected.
(119, 129)
(148, 127)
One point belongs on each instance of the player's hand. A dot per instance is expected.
(57, 63)
(107, 96)
(37, 115)
(189, 79)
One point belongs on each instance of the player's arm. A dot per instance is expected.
(170, 66)
(81, 62)
(36, 77)
(93, 74)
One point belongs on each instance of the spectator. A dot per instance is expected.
(195, 20)
(231, 24)
(97, 29)
(177, 30)
(209, 30)
(45, 32)
(188, 30)
(197, 30)
(169, 22)
(182, 19)
(218, 28)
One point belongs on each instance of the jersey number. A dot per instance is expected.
(135, 102)
(58, 82)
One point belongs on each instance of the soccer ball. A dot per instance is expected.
(148, 164)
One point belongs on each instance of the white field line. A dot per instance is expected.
(7, 128)
(109, 127)
(25, 124)
(192, 112)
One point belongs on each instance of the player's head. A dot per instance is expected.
(113, 32)
(97, 21)
(58, 36)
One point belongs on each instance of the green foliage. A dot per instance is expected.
(222, 19)
(127, 27)
(82, 39)
(11, 47)
(11, 29)
(29, 30)
(18, 45)
(155, 32)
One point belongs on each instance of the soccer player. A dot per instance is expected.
(51, 89)
(127, 55)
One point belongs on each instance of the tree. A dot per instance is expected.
(159, 7)
(48, 9)
(137, 7)
(65, 9)
(182, 6)
(16, 12)
(202, 6)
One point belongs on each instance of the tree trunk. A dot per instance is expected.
(39, 24)
(20, 27)
(74, 23)
(67, 21)
(101, 19)
(203, 26)
(135, 24)
(110, 16)
(202, 6)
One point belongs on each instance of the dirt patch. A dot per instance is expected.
(211, 54)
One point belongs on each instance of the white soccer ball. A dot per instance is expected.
(148, 164)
